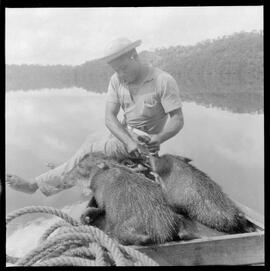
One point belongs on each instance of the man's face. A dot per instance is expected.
(126, 68)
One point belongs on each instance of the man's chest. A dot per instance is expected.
(137, 96)
(141, 103)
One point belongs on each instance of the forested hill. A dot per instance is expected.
(229, 64)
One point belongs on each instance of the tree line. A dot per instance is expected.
(228, 64)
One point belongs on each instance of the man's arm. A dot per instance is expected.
(113, 124)
(173, 126)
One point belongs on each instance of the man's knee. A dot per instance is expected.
(115, 148)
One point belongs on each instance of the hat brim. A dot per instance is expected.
(126, 49)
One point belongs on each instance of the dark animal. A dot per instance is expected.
(135, 210)
(192, 193)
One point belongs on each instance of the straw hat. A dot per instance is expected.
(119, 47)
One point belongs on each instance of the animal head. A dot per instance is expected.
(160, 164)
(95, 170)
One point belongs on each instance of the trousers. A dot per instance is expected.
(58, 179)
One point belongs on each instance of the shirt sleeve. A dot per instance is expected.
(169, 93)
(112, 94)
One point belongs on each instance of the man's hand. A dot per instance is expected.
(154, 144)
(133, 148)
(173, 126)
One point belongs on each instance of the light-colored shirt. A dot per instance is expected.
(155, 98)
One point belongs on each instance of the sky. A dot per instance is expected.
(73, 36)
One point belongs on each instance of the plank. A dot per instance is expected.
(236, 249)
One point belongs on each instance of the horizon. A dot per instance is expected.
(73, 36)
(139, 51)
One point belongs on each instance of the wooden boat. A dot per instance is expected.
(214, 248)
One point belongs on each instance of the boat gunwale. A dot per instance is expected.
(210, 245)
(205, 240)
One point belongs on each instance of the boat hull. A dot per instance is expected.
(214, 248)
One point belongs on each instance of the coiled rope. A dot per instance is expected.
(70, 243)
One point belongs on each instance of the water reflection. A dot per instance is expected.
(236, 92)
(235, 102)
(49, 126)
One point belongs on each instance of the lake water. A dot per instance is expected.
(49, 125)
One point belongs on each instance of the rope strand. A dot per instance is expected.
(75, 245)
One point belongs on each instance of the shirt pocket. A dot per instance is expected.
(150, 108)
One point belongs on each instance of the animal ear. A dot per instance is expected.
(103, 165)
(185, 159)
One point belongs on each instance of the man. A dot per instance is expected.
(151, 103)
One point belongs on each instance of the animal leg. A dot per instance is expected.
(188, 229)
(133, 238)
(128, 234)
(91, 214)
(92, 203)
